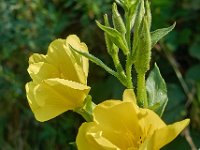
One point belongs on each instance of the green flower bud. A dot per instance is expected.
(139, 14)
(148, 13)
(109, 43)
(143, 51)
(117, 20)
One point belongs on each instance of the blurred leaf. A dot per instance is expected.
(195, 50)
(193, 73)
(111, 89)
(185, 36)
(175, 109)
(156, 91)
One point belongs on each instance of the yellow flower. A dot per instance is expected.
(122, 125)
(59, 79)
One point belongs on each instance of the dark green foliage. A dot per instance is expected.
(28, 26)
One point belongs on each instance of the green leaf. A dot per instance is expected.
(195, 50)
(193, 73)
(95, 60)
(160, 33)
(156, 91)
(115, 37)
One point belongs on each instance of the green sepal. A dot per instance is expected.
(121, 3)
(109, 43)
(139, 14)
(156, 91)
(86, 111)
(132, 12)
(148, 13)
(143, 52)
(138, 17)
(160, 33)
(117, 20)
(116, 37)
(95, 60)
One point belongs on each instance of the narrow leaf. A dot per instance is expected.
(115, 37)
(159, 34)
(156, 91)
(95, 60)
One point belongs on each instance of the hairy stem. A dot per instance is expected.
(141, 90)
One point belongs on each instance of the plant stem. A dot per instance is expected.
(129, 66)
(128, 31)
(141, 90)
(119, 68)
(86, 110)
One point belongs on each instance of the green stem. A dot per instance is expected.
(141, 90)
(128, 30)
(119, 68)
(86, 110)
(86, 115)
(129, 66)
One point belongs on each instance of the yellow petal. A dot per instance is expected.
(35, 58)
(129, 96)
(41, 71)
(118, 116)
(165, 135)
(149, 121)
(75, 42)
(55, 96)
(63, 60)
(90, 138)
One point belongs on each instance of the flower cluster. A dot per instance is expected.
(59, 84)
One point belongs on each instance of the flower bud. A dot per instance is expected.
(117, 20)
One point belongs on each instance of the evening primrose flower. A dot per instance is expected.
(59, 79)
(122, 125)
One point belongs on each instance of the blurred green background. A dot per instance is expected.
(28, 26)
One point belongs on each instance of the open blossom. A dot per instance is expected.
(59, 79)
(122, 125)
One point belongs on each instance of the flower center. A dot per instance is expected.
(133, 141)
